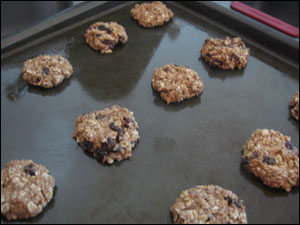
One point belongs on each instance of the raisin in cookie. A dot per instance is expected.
(26, 188)
(46, 71)
(109, 134)
(176, 83)
(226, 53)
(104, 37)
(273, 158)
(295, 106)
(208, 204)
(151, 14)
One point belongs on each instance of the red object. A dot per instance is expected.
(266, 19)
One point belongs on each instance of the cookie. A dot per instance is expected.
(151, 14)
(176, 83)
(109, 134)
(104, 37)
(46, 71)
(295, 106)
(272, 157)
(226, 53)
(208, 204)
(26, 188)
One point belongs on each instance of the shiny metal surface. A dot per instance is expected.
(196, 142)
(287, 11)
(19, 15)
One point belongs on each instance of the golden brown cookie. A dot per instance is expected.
(26, 188)
(176, 83)
(104, 37)
(295, 106)
(109, 134)
(208, 204)
(46, 71)
(272, 157)
(226, 53)
(151, 14)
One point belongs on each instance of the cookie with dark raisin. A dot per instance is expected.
(208, 204)
(225, 53)
(109, 134)
(104, 37)
(46, 71)
(273, 158)
(26, 188)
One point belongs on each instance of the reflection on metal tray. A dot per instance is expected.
(182, 145)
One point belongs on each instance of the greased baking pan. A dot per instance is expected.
(195, 142)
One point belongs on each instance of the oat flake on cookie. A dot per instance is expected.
(46, 71)
(109, 134)
(176, 83)
(208, 204)
(26, 189)
(272, 157)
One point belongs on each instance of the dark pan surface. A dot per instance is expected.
(196, 142)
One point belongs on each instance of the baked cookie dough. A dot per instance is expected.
(26, 188)
(151, 14)
(208, 204)
(295, 106)
(176, 83)
(226, 53)
(104, 37)
(46, 71)
(272, 157)
(109, 134)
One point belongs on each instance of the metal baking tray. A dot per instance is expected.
(195, 142)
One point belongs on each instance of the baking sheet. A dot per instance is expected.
(196, 142)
